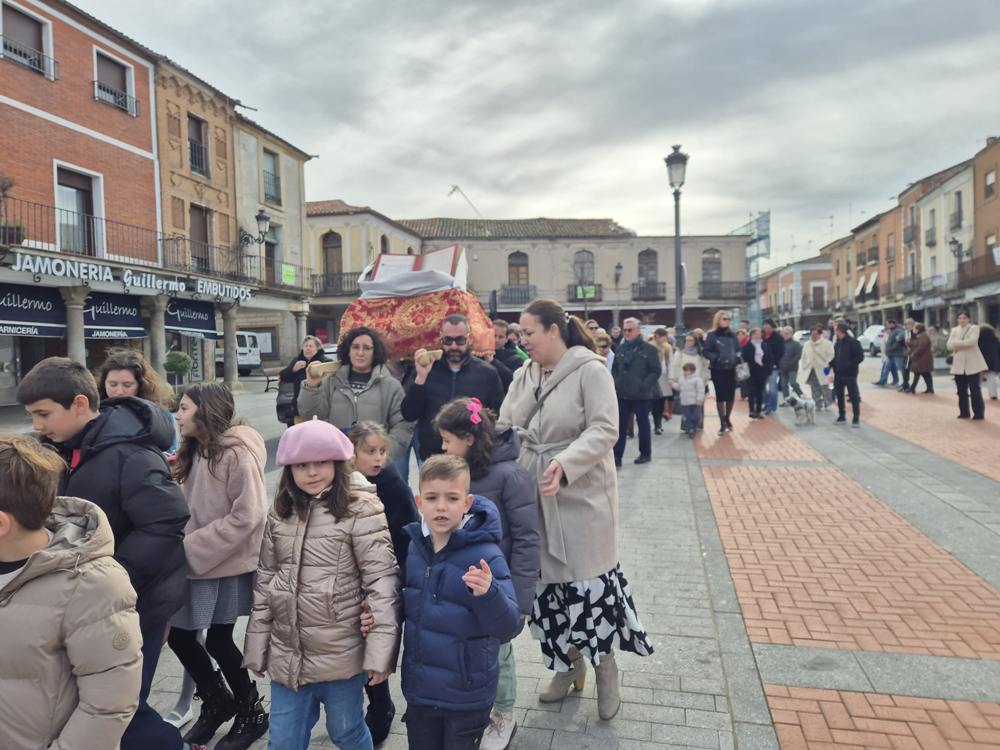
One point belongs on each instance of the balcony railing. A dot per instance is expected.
(40, 227)
(955, 220)
(930, 236)
(282, 275)
(116, 98)
(942, 282)
(272, 187)
(581, 292)
(809, 304)
(517, 294)
(649, 291)
(199, 157)
(873, 255)
(909, 234)
(738, 290)
(979, 270)
(908, 284)
(860, 259)
(29, 58)
(335, 284)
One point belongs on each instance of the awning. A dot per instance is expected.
(31, 311)
(191, 318)
(861, 285)
(871, 282)
(112, 316)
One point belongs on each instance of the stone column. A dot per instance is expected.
(980, 313)
(156, 307)
(231, 374)
(301, 318)
(74, 297)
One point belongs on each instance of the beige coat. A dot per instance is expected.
(314, 575)
(228, 507)
(963, 343)
(577, 425)
(70, 654)
(701, 366)
(815, 356)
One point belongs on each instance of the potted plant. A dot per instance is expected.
(178, 365)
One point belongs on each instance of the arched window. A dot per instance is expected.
(383, 244)
(517, 269)
(409, 251)
(333, 246)
(648, 267)
(583, 267)
(711, 266)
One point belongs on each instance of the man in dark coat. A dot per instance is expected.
(507, 351)
(114, 459)
(847, 356)
(776, 347)
(636, 370)
(457, 373)
(989, 346)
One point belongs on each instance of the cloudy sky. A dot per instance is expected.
(567, 107)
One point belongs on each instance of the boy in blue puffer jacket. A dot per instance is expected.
(459, 606)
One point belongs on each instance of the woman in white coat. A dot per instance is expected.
(563, 405)
(817, 354)
(967, 366)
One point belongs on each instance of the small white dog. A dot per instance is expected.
(805, 409)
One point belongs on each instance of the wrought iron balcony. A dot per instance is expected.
(930, 236)
(942, 282)
(649, 291)
(981, 269)
(517, 294)
(335, 284)
(861, 259)
(272, 188)
(738, 290)
(199, 157)
(116, 98)
(581, 292)
(29, 58)
(908, 284)
(873, 255)
(910, 233)
(283, 275)
(955, 220)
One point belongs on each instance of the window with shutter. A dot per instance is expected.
(24, 41)
(112, 84)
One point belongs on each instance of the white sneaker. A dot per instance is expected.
(500, 731)
(177, 719)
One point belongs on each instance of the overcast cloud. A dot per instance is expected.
(567, 107)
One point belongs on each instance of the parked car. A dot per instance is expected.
(801, 336)
(871, 340)
(247, 354)
(330, 350)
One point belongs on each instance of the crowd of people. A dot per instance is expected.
(129, 521)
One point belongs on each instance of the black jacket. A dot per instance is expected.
(505, 373)
(117, 463)
(847, 355)
(722, 349)
(289, 375)
(776, 346)
(397, 499)
(422, 402)
(636, 370)
(758, 372)
(990, 348)
(509, 356)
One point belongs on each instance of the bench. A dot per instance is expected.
(271, 373)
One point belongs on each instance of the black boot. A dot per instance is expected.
(217, 707)
(250, 725)
(381, 711)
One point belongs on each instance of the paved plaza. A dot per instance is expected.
(804, 587)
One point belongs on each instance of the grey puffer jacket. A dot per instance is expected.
(337, 403)
(895, 342)
(515, 494)
(791, 356)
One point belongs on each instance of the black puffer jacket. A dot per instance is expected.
(509, 356)
(291, 375)
(117, 463)
(514, 493)
(722, 349)
(990, 348)
(636, 370)
(847, 355)
(397, 501)
(422, 402)
(749, 354)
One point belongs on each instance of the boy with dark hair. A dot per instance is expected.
(459, 606)
(71, 646)
(115, 459)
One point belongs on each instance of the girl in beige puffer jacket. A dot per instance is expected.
(326, 553)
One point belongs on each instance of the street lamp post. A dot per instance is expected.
(676, 166)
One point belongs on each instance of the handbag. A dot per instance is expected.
(284, 404)
(742, 371)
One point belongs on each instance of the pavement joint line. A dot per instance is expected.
(941, 677)
(758, 462)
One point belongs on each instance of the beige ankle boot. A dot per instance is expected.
(561, 681)
(609, 698)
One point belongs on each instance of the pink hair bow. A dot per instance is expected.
(475, 406)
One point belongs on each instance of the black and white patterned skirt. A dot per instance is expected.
(597, 616)
(215, 601)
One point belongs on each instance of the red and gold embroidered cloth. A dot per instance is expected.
(410, 323)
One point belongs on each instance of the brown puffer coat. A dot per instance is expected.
(70, 659)
(314, 575)
(921, 354)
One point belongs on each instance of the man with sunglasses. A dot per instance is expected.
(457, 373)
(636, 370)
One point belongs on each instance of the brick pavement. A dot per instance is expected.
(764, 440)
(807, 719)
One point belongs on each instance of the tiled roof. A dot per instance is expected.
(334, 208)
(513, 229)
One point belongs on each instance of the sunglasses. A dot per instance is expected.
(457, 340)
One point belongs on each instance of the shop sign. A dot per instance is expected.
(31, 311)
(191, 318)
(224, 290)
(112, 316)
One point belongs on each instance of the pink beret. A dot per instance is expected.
(313, 440)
